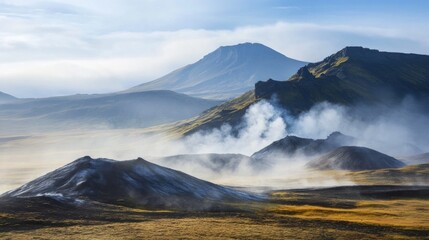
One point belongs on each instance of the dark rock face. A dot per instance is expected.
(292, 145)
(351, 76)
(354, 159)
(302, 75)
(136, 183)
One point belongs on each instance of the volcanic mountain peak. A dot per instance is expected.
(245, 52)
(226, 72)
(355, 159)
(132, 183)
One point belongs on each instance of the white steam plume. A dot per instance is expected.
(262, 124)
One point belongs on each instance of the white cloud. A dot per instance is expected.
(86, 47)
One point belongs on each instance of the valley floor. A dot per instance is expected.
(359, 212)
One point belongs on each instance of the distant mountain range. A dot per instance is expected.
(352, 76)
(5, 98)
(126, 110)
(134, 183)
(227, 72)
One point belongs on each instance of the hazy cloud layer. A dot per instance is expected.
(58, 47)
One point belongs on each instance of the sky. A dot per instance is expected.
(63, 47)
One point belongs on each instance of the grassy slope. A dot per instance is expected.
(352, 76)
(333, 213)
(229, 112)
(414, 174)
(289, 215)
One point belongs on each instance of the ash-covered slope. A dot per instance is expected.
(292, 145)
(136, 183)
(354, 159)
(227, 72)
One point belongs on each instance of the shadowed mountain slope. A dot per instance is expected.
(351, 76)
(354, 159)
(292, 145)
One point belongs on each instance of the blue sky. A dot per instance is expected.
(61, 47)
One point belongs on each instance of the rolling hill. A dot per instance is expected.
(293, 145)
(128, 110)
(352, 76)
(135, 183)
(227, 72)
(354, 159)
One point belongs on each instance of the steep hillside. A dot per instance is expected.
(229, 112)
(227, 72)
(354, 159)
(136, 183)
(351, 76)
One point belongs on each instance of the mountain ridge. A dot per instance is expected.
(292, 145)
(346, 78)
(5, 98)
(355, 159)
(226, 72)
(139, 109)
